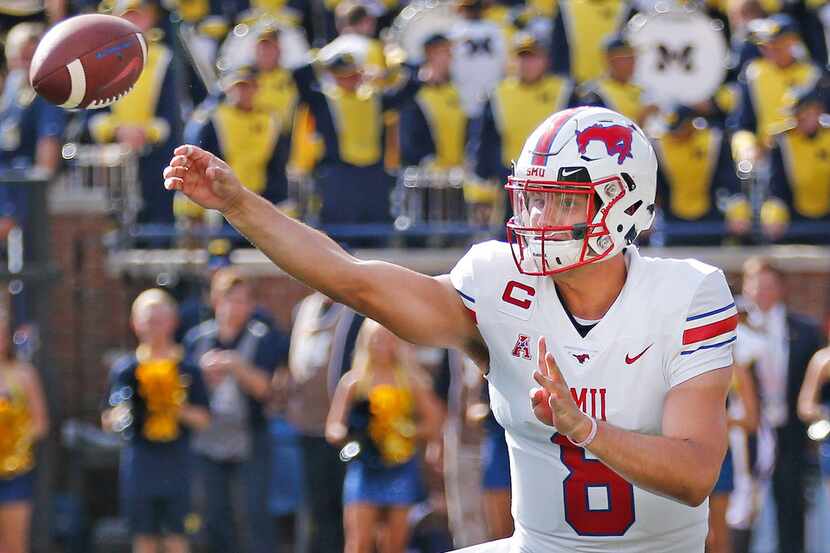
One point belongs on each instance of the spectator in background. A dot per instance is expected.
(751, 444)
(31, 129)
(276, 94)
(155, 400)
(244, 135)
(198, 307)
(764, 85)
(791, 341)
(799, 186)
(434, 127)
(742, 406)
(322, 341)
(387, 401)
(742, 48)
(357, 28)
(348, 113)
(580, 29)
(615, 89)
(23, 422)
(237, 355)
(147, 120)
(479, 55)
(814, 405)
(696, 175)
(286, 492)
(517, 106)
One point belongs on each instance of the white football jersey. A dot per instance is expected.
(673, 320)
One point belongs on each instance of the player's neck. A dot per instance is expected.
(590, 291)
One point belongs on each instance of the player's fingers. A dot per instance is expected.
(178, 161)
(545, 382)
(182, 150)
(543, 350)
(173, 184)
(538, 395)
(191, 151)
(553, 369)
(178, 172)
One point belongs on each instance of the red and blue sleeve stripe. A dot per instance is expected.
(711, 329)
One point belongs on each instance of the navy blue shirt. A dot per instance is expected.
(124, 385)
(271, 352)
(25, 118)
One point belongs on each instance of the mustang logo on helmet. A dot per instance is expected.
(617, 140)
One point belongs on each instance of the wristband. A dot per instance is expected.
(591, 435)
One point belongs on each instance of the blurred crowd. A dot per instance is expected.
(362, 113)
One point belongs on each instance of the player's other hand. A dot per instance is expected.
(553, 403)
(202, 177)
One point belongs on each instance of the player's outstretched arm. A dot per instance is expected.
(683, 463)
(418, 308)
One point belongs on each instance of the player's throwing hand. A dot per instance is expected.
(553, 403)
(202, 177)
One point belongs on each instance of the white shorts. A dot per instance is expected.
(498, 546)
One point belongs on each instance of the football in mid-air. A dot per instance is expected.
(88, 61)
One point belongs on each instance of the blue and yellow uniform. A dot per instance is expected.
(800, 175)
(579, 30)
(156, 468)
(250, 142)
(25, 118)
(16, 456)
(765, 90)
(154, 106)
(513, 111)
(434, 126)
(350, 174)
(392, 476)
(694, 171)
(625, 98)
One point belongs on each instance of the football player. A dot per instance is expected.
(608, 370)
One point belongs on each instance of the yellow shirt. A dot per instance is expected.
(359, 122)
(138, 108)
(519, 108)
(277, 94)
(769, 87)
(588, 24)
(807, 161)
(689, 166)
(248, 140)
(447, 122)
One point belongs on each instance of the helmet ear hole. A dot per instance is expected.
(631, 235)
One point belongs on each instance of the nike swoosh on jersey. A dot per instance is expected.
(629, 359)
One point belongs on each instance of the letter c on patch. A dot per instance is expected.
(510, 297)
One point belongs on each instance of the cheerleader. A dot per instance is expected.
(814, 407)
(387, 402)
(23, 421)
